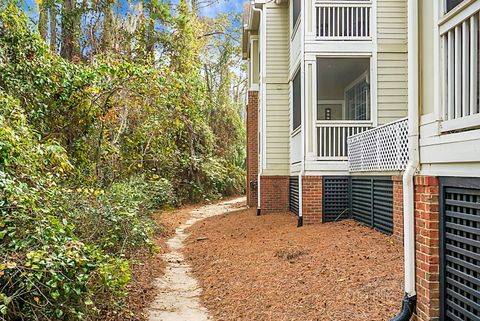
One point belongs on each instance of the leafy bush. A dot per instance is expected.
(87, 152)
(48, 272)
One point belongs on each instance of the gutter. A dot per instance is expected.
(263, 89)
(410, 299)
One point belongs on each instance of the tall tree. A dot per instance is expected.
(70, 17)
(42, 19)
(53, 25)
(108, 28)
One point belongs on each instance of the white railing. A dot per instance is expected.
(381, 149)
(344, 20)
(460, 71)
(332, 138)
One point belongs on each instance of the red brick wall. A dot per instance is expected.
(427, 247)
(274, 194)
(398, 206)
(312, 199)
(252, 147)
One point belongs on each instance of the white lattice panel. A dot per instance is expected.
(381, 149)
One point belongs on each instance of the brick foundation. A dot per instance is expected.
(427, 248)
(252, 148)
(274, 194)
(312, 199)
(398, 206)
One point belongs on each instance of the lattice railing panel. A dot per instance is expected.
(381, 149)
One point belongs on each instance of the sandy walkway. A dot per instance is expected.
(178, 292)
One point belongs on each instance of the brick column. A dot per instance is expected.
(252, 148)
(274, 194)
(427, 248)
(312, 199)
(398, 206)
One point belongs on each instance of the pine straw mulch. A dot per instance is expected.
(264, 268)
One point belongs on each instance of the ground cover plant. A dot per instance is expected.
(101, 125)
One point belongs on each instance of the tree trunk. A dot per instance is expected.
(43, 21)
(53, 27)
(150, 31)
(107, 33)
(70, 30)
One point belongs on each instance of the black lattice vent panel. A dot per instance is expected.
(460, 242)
(372, 202)
(335, 198)
(294, 194)
(383, 205)
(361, 201)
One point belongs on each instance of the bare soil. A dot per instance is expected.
(178, 291)
(148, 267)
(265, 268)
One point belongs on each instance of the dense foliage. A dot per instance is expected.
(98, 132)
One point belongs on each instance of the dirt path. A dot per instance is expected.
(178, 292)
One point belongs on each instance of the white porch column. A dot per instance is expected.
(310, 107)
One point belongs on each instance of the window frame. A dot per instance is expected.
(297, 105)
(296, 18)
(368, 101)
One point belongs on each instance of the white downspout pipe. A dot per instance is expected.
(261, 121)
(409, 301)
(413, 136)
(304, 82)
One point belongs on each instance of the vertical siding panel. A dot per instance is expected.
(392, 60)
(278, 92)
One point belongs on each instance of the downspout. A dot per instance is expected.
(304, 111)
(263, 97)
(410, 299)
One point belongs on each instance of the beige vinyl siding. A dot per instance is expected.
(392, 61)
(278, 106)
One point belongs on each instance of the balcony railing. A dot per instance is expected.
(344, 20)
(460, 59)
(332, 138)
(381, 149)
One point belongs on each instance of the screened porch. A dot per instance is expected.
(343, 104)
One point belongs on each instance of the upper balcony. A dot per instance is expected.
(342, 26)
(345, 20)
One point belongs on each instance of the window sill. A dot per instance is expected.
(296, 131)
(460, 124)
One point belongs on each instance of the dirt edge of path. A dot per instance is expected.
(178, 291)
(147, 267)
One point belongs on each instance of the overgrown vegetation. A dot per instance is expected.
(127, 112)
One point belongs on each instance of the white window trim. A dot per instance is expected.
(296, 27)
(298, 71)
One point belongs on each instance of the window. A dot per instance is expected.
(451, 4)
(297, 101)
(357, 100)
(297, 7)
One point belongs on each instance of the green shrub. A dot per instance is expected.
(47, 271)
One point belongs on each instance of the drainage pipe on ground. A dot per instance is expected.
(410, 299)
(263, 102)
